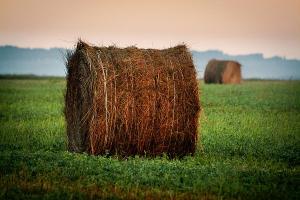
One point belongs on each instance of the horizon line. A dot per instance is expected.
(192, 49)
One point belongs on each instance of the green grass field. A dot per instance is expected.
(249, 148)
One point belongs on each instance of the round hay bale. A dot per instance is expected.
(223, 72)
(131, 101)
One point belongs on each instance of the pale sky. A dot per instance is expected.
(271, 27)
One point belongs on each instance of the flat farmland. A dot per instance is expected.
(248, 148)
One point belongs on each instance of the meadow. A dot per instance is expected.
(249, 148)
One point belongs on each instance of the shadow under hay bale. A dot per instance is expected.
(223, 72)
(131, 101)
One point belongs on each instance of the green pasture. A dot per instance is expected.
(249, 148)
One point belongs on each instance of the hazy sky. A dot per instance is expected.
(271, 27)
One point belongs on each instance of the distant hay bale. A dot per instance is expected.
(223, 71)
(131, 101)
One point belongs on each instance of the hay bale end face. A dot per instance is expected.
(131, 101)
(223, 72)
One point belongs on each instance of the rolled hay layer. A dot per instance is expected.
(223, 72)
(131, 101)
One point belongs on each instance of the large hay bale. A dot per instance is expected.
(223, 71)
(131, 101)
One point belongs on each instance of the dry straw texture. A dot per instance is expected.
(131, 101)
(223, 71)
